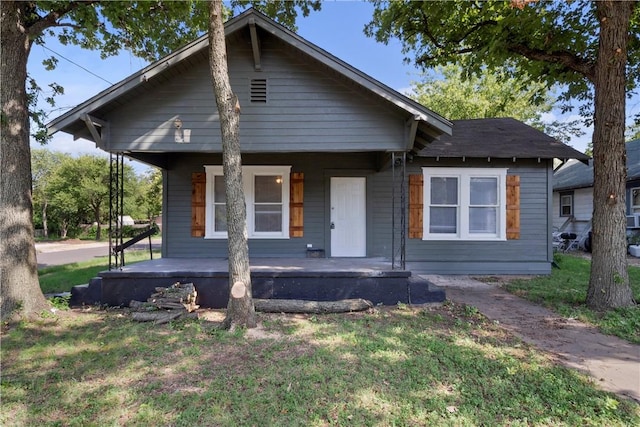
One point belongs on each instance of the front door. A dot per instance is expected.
(348, 217)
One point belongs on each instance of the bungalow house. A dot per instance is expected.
(336, 165)
(573, 194)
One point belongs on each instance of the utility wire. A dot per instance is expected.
(77, 65)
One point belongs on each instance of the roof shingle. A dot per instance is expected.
(498, 138)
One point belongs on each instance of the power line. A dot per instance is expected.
(77, 65)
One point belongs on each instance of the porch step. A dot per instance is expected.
(422, 291)
(87, 294)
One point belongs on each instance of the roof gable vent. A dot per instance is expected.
(258, 91)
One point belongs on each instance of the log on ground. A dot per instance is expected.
(313, 307)
(157, 317)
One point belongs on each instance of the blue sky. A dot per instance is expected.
(337, 28)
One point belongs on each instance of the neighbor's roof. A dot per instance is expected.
(503, 138)
(131, 86)
(577, 175)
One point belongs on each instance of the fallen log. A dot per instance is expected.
(312, 307)
(157, 317)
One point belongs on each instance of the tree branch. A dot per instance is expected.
(566, 59)
(51, 19)
(473, 29)
(426, 29)
(426, 58)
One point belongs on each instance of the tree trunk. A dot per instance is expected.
(45, 226)
(64, 228)
(19, 286)
(96, 218)
(240, 310)
(609, 282)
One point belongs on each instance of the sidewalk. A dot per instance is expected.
(613, 363)
(46, 247)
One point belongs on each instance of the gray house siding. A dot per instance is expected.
(317, 169)
(306, 107)
(529, 254)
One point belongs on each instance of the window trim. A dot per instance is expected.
(633, 209)
(464, 176)
(248, 175)
(565, 194)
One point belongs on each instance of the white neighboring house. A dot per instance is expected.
(573, 193)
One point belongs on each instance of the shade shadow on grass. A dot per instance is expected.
(444, 366)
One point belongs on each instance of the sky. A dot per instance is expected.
(337, 28)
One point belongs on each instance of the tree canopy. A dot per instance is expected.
(454, 95)
(554, 43)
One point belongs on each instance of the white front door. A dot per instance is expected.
(348, 217)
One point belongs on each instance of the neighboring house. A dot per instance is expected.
(573, 193)
(333, 160)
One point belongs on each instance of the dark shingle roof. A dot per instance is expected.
(498, 138)
(578, 175)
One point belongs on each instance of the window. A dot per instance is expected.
(566, 204)
(635, 200)
(266, 191)
(464, 203)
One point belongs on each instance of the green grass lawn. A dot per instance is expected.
(61, 278)
(395, 366)
(565, 291)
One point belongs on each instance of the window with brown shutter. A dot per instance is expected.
(198, 202)
(296, 211)
(415, 206)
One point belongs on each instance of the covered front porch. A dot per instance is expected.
(314, 279)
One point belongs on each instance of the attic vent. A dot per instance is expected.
(259, 91)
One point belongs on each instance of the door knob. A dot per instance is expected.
(332, 226)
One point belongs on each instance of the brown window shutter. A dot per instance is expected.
(513, 207)
(415, 206)
(198, 202)
(296, 210)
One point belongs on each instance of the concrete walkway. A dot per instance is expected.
(613, 363)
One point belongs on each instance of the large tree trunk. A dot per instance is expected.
(19, 286)
(240, 310)
(609, 283)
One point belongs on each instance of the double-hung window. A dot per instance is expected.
(566, 204)
(266, 191)
(464, 203)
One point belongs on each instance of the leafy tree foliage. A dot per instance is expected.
(71, 191)
(454, 95)
(149, 199)
(43, 166)
(591, 49)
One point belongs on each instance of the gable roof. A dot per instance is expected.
(575, 175)
(502, 138)
(429, 124)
